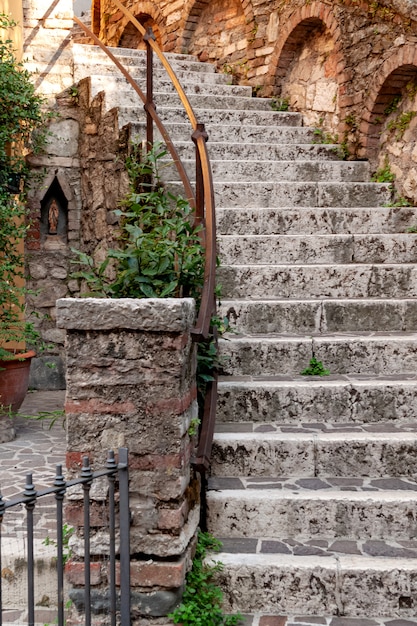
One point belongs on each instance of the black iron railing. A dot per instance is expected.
(30, 498)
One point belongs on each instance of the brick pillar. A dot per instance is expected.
(131, 382)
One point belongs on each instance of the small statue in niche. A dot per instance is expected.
(53, 213)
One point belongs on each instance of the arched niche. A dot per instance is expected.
(307, 73)
(131, 37)
(54, 214)
(219, 32)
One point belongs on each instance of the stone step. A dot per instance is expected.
(309, 453)
(355, 586)
(223, 133)
(260, 152)
(202, 101)
(317, 221)
(313, 194)
(163, 85)
(318, 281)
(317, 249)
(377, 353)
(299, 399)
(320, 316)
(94, 58)
(212, 117)
(322, 516)
(262, 618)
(341, 171)
(108, 70)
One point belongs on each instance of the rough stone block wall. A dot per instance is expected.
(84, 158)
(131, 382)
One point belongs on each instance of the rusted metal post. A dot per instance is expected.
(200, 131)
(149, 87)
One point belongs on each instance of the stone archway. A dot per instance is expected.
(307, 65)
(389, 127)
(390, 82)
(220, 31)
(131, 37)
(119, 31)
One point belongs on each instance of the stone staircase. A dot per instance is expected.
(313, 488)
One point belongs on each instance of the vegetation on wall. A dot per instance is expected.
(22, 130)
(160, 253)
(202, 599)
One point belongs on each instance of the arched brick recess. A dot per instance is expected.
(312, 31)
(114, 28)
(300, 23)
(131, 37)
(234, 17)
(392, 77)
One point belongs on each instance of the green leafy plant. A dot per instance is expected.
(67, 532)
(160, 252)
(401, 123)
(384, 174)
(280, 104)
(324, 137)
(399, 202)
(315, 368)
(202, 599)
(393, 105)
(23, 129)
(52, 416)
(193, 427)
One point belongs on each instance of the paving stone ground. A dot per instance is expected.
(36, 450)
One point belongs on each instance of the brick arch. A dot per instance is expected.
(131, 37)
(389, 82)
(300, 23)
(194, 11)
(148, 10)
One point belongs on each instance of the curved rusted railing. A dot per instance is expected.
(202, 202)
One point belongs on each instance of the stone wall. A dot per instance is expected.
(131, 382)
(338, 62)
(83, 169)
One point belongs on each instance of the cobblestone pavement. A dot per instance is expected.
(37, 449)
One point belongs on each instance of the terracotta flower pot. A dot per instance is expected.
(14, 379)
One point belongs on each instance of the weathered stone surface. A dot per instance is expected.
(309, 454)
(167, 314)
(329, 400)
(317, 221)
(131, 383)
(329, 514)
(47, 372)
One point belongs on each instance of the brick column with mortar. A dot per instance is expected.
(131, 382)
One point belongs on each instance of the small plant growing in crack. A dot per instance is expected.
(315, 368)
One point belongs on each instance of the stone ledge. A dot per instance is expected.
(148, 314)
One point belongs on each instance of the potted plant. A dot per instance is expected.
(22, 130)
